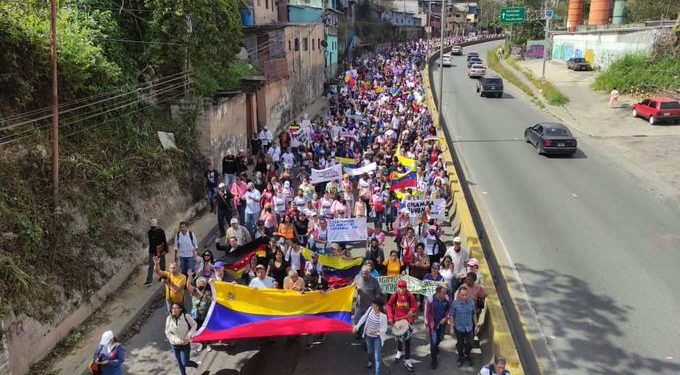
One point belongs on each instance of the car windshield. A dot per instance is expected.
(579, 60)
(670, 105)
(477, 66)
(494, 81)
(556, 131)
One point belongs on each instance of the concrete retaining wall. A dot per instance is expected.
(602, 47)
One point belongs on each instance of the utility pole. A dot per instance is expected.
(441, 60)
(55, 108)
(545, 38)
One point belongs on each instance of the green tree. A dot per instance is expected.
(646, 10)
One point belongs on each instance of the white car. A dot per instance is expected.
(457, 50)
(476, 71)
(446, 60)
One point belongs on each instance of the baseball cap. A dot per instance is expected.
(219, 265)
(221, 185)
(456, 239)
(234, 221)
(473, 262)
(436, 265)
(401, 284)
(259, 266)
(315, 255)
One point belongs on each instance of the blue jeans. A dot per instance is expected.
(212, 193)
(436, 337)
(186, 264)
(183, 356)
(228, 180)
(374, 349)
(149, 272)
(251, 221)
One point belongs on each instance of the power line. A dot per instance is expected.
(93, 114)
(138, 90)
(65, 105)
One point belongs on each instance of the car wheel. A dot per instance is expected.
(652, 120)
(481, 93)
(634, 113)
(477, 89)
(526, 138)
(499, 95)
(538, 149)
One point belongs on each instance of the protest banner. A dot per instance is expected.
(388, 285)
(328, 174)
(362, 170)
(347, 230)
(416, 208)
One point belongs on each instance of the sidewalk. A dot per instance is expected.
(649, 152)
(133, 299)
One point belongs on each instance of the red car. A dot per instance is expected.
(657, 110)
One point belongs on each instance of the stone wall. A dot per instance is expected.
(27, 341)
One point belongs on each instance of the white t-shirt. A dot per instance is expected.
(267, 283)
(288, 159)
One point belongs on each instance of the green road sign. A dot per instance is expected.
(513, 15)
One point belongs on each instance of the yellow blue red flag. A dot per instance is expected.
(240, 312)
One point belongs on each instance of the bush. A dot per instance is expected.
(641, 75)
(551, 94)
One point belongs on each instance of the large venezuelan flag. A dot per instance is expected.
(239, 312)
(403, 180)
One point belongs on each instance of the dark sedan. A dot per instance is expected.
(474, 61)
(551, 138)
(578, 63)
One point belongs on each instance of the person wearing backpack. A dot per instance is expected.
(109, 356)
(180, 328)
(186, 248)
(402, 306)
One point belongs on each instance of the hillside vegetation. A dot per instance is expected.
(644, 74)
(119, 69)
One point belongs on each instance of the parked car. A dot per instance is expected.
(551, 138)
(490, 86)
(473, 61)
(578, 63)
(476, 71)
(446, 60)
(657, 110)
(457, 50)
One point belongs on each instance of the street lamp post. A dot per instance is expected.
(441, 59)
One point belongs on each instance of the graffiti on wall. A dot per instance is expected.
(590, 56)
(604, 58)
(535, 49)
(516, 52)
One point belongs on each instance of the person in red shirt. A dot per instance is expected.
(402, 306)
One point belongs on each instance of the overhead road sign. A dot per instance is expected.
(513, 15)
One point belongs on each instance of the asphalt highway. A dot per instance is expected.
(590, 252)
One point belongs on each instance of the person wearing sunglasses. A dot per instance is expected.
(204, 264)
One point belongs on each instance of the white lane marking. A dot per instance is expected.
(485, 192)
(525, 295)
(574, 195)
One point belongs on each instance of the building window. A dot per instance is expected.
(289, 45)
(266, 4)
(297, 44)
(305, 45)
(319, 42)
(273, 5)
(259, 4)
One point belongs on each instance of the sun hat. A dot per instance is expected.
(456, 239)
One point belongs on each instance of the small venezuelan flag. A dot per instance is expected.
(403, 180)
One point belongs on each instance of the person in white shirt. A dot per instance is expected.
(252, 211)
(288, 158)
(239, 232)
(262, 281)
(266, 137)
(275, 154)
(459, 258)
(186, 247)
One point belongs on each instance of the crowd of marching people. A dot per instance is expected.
(379, 129)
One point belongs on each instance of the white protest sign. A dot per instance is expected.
(347, 230)
(328, 174)
(361, 170)
(416, 208)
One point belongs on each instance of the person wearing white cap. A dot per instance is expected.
(459, 258)
(109, 356)
(239, 232)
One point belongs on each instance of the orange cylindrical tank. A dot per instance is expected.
(600, 11)
(574, 15)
